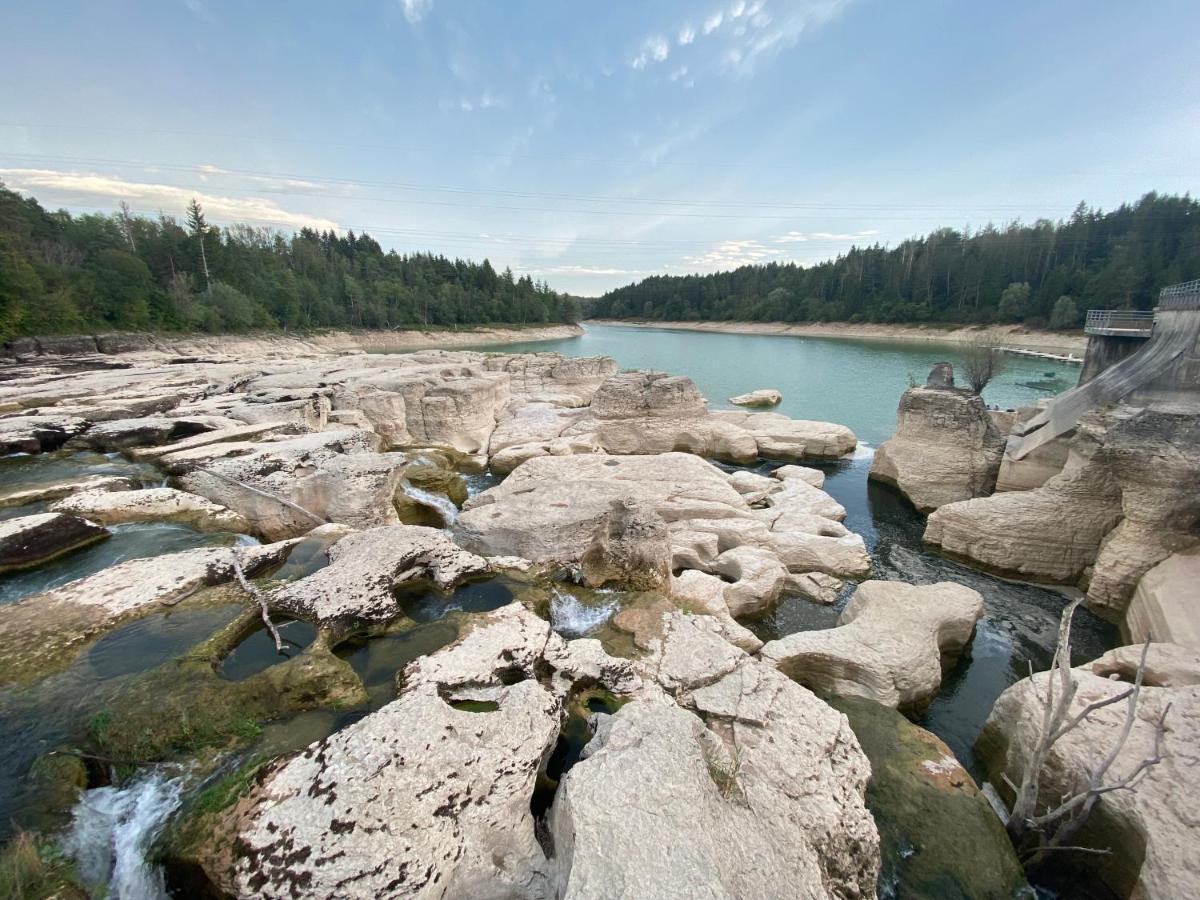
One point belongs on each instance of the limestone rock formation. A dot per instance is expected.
(791, 440)
(366, 567)
(152, 505)
(33, 540)
(334, 475)
(550, 508)
(42, 632)
(1114, 511)
(892, 644)
(56, 490)
(762, 397)
(945, 447)
(1163, 607)
(758, 783)
(1150, 832)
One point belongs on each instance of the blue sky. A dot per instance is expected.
(592, 144)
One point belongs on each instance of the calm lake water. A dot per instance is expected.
(859, 383)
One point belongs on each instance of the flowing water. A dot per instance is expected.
(858, 383)
(572, 617)
(112, 829)
(440, 503)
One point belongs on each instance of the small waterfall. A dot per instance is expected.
(573, 618)
(440, 502)
(862, 451)
(111, 830)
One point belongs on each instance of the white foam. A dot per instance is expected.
(440, 502)
(572, 618)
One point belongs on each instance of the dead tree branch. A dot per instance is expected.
(288, 503)
(261, 598)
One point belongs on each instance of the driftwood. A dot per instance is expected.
(1034, 833)
(261, 598)
(321, 520)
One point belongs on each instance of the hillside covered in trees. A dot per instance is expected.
(67, 274)
(1044, 274)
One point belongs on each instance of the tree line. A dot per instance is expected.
(62, 274)
(1047, 274)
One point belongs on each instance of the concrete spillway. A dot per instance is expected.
(1165, 370)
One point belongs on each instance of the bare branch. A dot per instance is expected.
(288, 503)
(262, 601)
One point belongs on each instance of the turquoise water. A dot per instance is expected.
(859, 383)
(854, 382)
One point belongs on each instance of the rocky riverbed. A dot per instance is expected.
(454, 623)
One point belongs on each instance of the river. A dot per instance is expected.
(858, 383)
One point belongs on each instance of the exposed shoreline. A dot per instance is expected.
(1005, 335)
(275, 344)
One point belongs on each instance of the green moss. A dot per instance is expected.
(32, 868)
(939, 836)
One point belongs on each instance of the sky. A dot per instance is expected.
(594, 144)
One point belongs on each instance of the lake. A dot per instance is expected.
(858, 383)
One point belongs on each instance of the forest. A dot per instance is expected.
(72, 274)
(1047, 274)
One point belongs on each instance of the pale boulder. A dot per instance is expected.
(892, 643)
(152, 505)
(761, 397)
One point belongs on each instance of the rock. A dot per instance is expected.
(791, 440)
(366, 567)
(1149, 455)
(152, 505)
(334, 475)
(56, 490)
(945, 448)
(892, 644)
(1050, 534)
(939, 836)
(1163, 608)
(1151, 831)
(702, 593)
(757, 580)
(216, 436)
(763, 397)
(34, 540)
(630, 546)
(1167, 665)
(44, 632)
(633, 395)
(37, 434)
(737, 783)
(550, 508)
(815, 586)
(941, 377)
(121, 434)
(372, 806)
(1110, 515)
(815, 477)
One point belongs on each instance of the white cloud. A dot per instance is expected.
(737, 8)
(209, 171)
(687, 34)
(731, 254)
(681, 72)
(79, 188)
(713, 22)
(773, 34)
(654, 49)
(416, 10)
(800, 237)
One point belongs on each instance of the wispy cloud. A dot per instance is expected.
(79, 188)
(416, 10)
(199, 10)
(209, 171)
(580, 270)
(713, 22)
(655, 49)
(687, 34)
(731, 254)
(801, 237)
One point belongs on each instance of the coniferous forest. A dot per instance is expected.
(1047, 274)
(71, 274)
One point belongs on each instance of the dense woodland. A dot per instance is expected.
(68, 274)
(1044, 274)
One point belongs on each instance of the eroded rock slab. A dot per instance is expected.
(33, 540)
(892, 643)
(152, 505)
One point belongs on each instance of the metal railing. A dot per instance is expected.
(1120, 322)
(1180, 296)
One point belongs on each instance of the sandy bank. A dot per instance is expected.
(1004, 335)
